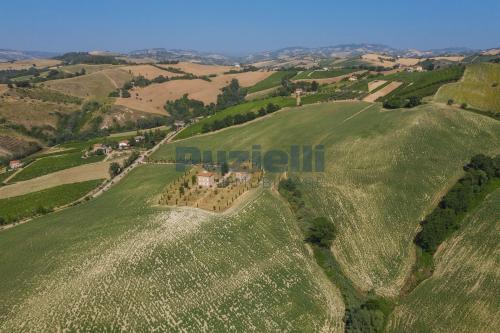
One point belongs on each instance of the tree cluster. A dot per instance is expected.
(446, 217)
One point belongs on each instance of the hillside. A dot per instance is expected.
(248, 268)
(178, 269)
(98, 84)
(462, 294)
(384, 171)
(479, 88)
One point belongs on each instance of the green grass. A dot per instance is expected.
(320, 74)
(383, 170)
(461, 296)
(28, 204)
(422, 84)
(272, 81)
(477, 89)
(141, 264)
(49, 164)
(243, 108)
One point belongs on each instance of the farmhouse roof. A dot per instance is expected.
(205, 174)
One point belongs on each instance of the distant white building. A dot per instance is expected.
(353, 78)
(205, 179)
(123, 144)
(15, 164)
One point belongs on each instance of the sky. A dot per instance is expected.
(238, 27)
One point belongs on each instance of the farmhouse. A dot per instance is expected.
(139, 138)
(205, 179)
(353, 78)
(15, 164)
(123, 144)
(101, 148)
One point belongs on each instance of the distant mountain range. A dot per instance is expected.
(9, 55)
(343, 50)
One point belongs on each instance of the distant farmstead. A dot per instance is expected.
(101, 148)
(123, 144)
(15, 164)
(206, 179)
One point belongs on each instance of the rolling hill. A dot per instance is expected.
(479, 88)
(145, 265)
(384, 171)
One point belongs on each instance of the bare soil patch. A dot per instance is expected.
(375, 84)
(382, 92)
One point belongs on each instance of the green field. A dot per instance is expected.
(49, 164)
(384, 171)
(120, 261)
(462, 294)
(243, 108)
(26, 205)
(479, 88)
(321, 74)
(422, 84)
(272, 81)
(142, 267)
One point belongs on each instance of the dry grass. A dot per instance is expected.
(153, 97)
(25, 64)
(73, 175)
(456, 58)
(382, 92)
(148, 71)
(3, 88)
(98, 84)
(200, 69)
(30, 112)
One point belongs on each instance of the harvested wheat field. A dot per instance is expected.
(386, 61)
(26, 64)
(372, 85)
(153, 97)
(148, 71)
(382, 92)
(200, 69)
(141, 267)
(73, 175)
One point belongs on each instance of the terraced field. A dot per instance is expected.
(462, 294)
(479, 88)
(384, 172)
(95, 267)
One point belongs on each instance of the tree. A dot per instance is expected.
(413, 101)
(224, 168)
(114, 169)
(450, 102)
(314, 86)
(322, 232)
